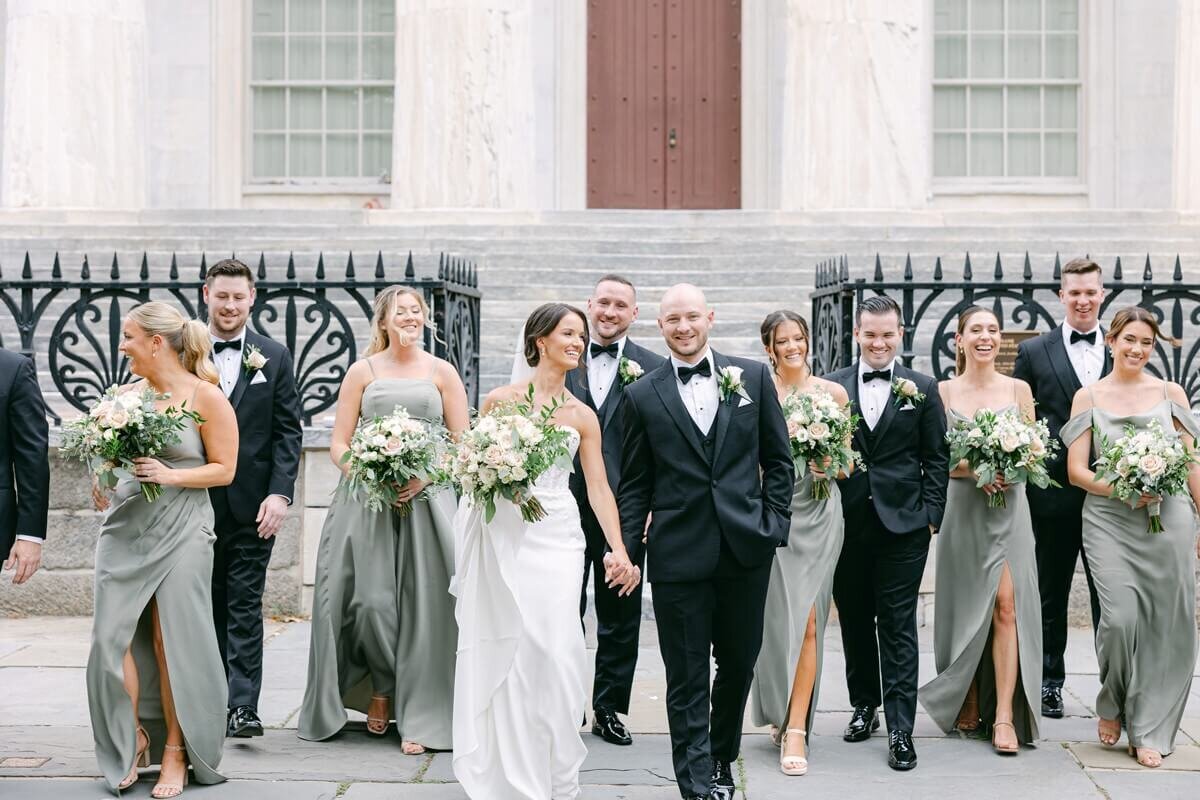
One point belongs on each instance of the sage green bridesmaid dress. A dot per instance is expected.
(801, 581)
(973, 545)
(1146, 582)
(161, 551)
(383, 616)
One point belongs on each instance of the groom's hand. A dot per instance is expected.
(24, 559)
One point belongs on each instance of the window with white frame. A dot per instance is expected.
(1006, 91)
(321, 91)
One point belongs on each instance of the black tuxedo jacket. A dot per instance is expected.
(270, 436)
(612, 427)
(24, 452)
(743, 495)
(1042, 362)
(907, 460)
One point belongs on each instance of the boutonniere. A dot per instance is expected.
(629, 370)
(730, 383)
(906, 393)
(253, 360)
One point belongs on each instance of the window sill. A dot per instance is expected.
(373, 189)
(1043, 189)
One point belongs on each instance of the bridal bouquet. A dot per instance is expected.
(120, 427)
(505, 451)
(820, 429)
(1149, 461)
(386, 452)
(1003, 445)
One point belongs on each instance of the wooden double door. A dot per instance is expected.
(664, 103)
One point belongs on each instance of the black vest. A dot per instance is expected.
(707, 440)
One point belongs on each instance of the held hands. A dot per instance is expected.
(151, 470)
(620, 573)
(271, 514)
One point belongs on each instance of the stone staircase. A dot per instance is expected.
(748, 262)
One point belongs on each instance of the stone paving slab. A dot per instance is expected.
(75, 789)
(1094, 755)
(1160, 785)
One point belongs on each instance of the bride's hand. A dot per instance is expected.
(620, 573)
(407, 491)
(1148, 499)
(818, 470)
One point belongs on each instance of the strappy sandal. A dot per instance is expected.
(1108, 738)
(379, 725)
(140, 759)
(1153, 758)
(410, 748)
(162, 791)
(792, 765)
(968, 721)
(1005, 751)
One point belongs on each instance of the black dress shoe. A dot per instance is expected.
(1052, 704)
(864, 721)
(608, 726)
(243, 723)
(722, 781)
(901, 753)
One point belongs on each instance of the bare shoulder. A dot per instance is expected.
(444, 371)
(577, 414)
(1175, 392)
(834, 390)
(1024, 390)
(210, 399)
(502, 394)
(136, 386)
(1082, 401)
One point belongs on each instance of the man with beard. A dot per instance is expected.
(257, 377)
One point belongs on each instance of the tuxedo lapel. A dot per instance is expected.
(1107, 368)
(244, 376)
(1061, 364)
(610, 402)
(724, 407)
(889, 406)
(664, 385)
(851, 386)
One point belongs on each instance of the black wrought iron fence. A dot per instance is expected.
(323, 318)
(930, 309)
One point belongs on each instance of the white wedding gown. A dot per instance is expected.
(520, 681)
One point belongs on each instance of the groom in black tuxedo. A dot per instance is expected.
(257, 376)
(24, 467)
(891, 508)
(1056, 365)
(706, 456)
(611, 363)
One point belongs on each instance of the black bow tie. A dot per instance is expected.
(1076, 336)
(236, 344)
(598, 349)
(878, 374)
(686, 373)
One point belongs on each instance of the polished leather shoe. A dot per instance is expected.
(243, 723)
(864, 721)
(722, 781)
(1052, 702)
(901, 753)
(608, 726)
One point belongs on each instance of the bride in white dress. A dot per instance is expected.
(521, 677)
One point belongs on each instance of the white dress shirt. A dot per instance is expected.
(700, 395)
(1086, 359)
(602, 372)
(873, 397)
(229, 362)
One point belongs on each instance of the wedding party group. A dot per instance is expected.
(461, 548)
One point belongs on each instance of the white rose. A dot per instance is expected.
(129, 400)
(1152, 465)
(1037, 447)
(818, 430)
(735, 373)
(1009, 442)
(975, 433)
(908, 388)
(256, 360)
(392, 446)
(118, 418)
(633, 368)
(792, 428)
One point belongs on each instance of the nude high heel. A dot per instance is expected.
(792, 765)
(141, 760)
(162, 791)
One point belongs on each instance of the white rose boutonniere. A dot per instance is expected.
(629, 370)
(254, 360)
(906, 393)
(730, 383)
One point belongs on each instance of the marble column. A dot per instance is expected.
(74, 104)
(465, 129)
(1187, 107)
(854, 129)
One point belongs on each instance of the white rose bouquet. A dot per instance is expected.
(505, 451)
(1146, 462)
(387, 452)
(1003, 446)
(122, 426)
(820, 429)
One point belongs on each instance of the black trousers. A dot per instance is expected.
(240, 561)
(618, 625)
(721, 617)
(875, 586)
(1058, 542)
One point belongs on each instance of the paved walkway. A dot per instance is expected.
(46, 745)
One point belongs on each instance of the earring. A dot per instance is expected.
(154, 354)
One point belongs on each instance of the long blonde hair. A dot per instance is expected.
(385, 302)
(187, 338)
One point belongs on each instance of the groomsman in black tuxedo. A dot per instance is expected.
(891, 509)
(706, 456)
(257, 377)
(24, 467)
(611, 363)
(1056, 365)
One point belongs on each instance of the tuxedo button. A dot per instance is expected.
(714, 483)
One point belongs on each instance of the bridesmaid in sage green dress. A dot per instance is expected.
(987, 628)
(383, 630)
(155, 679)
(788, 672)
(1146, 582)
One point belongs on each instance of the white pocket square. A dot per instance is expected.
(744, 401)
(908, 408)
(258, 378)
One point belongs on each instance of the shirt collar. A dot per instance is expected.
(863, 366)
(676, 363)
